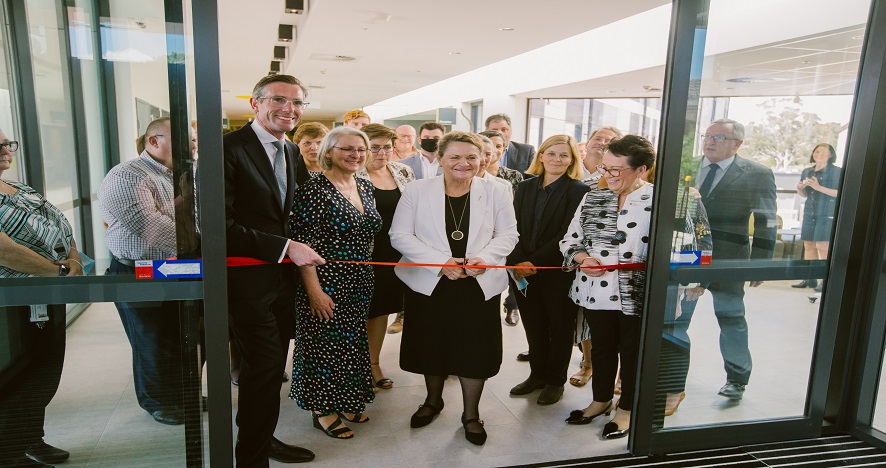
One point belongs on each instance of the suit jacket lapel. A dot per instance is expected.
(291, 155)
(437, 208)
(734, 172)
(527, 222)
(259, 156)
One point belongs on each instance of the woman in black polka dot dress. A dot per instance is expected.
(611, 227)
(336, 215)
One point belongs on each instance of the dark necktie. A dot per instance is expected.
(709, 180)
(280, 169)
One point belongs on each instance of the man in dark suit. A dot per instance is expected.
(517, 156)
(260, 168)
(732, 189)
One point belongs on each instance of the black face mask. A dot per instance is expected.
(429, 144)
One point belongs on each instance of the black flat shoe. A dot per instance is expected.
(285, 453)
(578, 417)
(611, 431)
(171, 417)
(45, 453)
(476, 438)
(423, 420)
(334, 429)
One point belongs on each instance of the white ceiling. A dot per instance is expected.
(403, 45)
(399, 45)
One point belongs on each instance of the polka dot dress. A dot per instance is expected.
(614, 236)
(331, 369)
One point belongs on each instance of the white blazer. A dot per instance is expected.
(419, 233)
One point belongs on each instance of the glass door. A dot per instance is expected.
(755, 141)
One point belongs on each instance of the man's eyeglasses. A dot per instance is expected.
(351, 151)
(614, 172)
(11, 145)
(280, 101)
(717, 138)
(377, 149)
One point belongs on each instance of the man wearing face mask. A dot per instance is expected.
(425, 164)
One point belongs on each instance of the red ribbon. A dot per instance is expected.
(247, 261)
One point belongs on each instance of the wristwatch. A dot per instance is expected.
(63, 270)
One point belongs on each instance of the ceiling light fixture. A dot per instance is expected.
(286, 33)
(505, 29)
(296, 7)
(280, 53)
(275, 66)
(455, 53)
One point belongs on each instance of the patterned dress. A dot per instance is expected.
(331, 371)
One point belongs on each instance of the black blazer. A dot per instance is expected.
(746, 188)
(520, 156)
(555, 220)
(256, 222)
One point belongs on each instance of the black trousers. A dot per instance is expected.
(549, 321)
(614, 333)
(262, 318)
(24, 398)
(154, 332)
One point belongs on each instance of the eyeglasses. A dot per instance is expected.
(613, 172)
(11, 145)
(717, 138)
(377, 149)
(351, 151)
(280, 101)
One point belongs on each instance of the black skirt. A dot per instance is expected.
(454, 331)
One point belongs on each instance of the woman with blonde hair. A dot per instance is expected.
(544, 206)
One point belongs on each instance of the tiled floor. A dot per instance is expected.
(95, 415)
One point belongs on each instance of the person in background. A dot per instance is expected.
(335, 214)
(424, 164)
(35, 240)
(404, 145)
(544, 206)
(389, 179)
(819, 185)
(510, 175)
(486, 157)
(516, 156)
(463, 222)
(356, 119)
(308, 137)
(138, 204)
(611, 227)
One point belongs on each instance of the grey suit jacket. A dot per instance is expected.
(520, 156)
(414, 162)
(746, 188)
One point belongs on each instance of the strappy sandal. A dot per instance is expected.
(358, 418)
(335, 429)
(383, 383)
(581, 378)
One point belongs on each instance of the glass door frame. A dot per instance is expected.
(839, 303)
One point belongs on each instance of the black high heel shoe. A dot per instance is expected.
(476, 438)
(578, 416)
(611, 431)
(423, 420)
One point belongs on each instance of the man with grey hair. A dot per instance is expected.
(516, 156)
(732, 189)
(594, 150)
(404, 145)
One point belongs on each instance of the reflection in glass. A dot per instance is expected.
(758, 108)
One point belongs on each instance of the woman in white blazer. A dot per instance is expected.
(451, 325)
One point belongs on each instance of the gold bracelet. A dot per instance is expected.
(78, 262)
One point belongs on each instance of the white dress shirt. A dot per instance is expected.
(703, 172)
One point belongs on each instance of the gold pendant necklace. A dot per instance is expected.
(457, 234)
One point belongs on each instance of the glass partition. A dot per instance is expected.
(759, 179)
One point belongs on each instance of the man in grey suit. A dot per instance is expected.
(517, 156)
(732, 189)
(424, 164)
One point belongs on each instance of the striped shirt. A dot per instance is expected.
(27, 218)
(136, 201)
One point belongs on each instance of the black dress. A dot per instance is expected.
(330, 368)
(819, 210)
(455, 330)
(388, 293)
